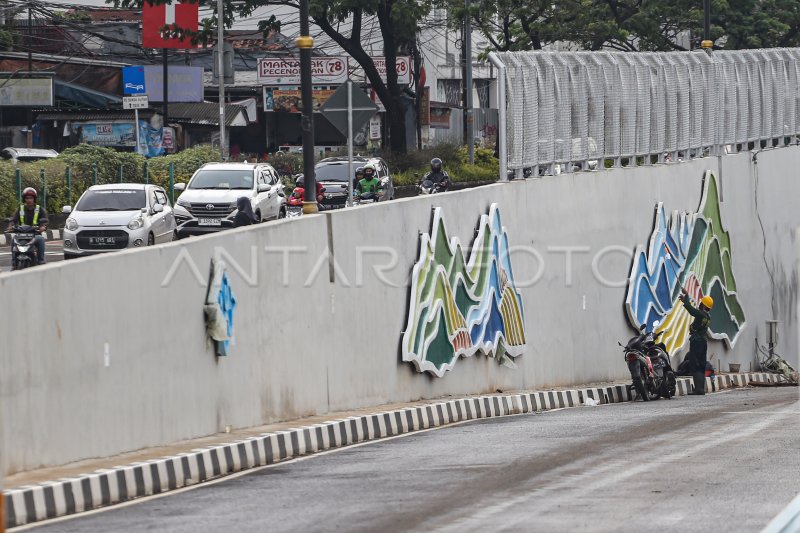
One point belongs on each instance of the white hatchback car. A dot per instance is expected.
(208, 201)
(117, 216)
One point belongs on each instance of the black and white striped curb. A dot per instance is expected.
(28, 504)
(49, 235)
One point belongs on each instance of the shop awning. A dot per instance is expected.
(207, 113)
(84, 96)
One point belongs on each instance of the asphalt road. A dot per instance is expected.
(54, 250)
(724, 462)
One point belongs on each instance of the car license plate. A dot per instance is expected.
(210, 221)
(103, 241)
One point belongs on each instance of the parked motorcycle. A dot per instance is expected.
(648, 362)
(23, 248)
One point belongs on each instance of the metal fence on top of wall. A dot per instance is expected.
(484, 127)
(573, 107)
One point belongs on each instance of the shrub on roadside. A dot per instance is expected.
(83, 161)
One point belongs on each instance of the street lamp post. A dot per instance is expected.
(305, 43)
(707, 43)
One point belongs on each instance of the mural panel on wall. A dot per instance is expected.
(463, 305)
(219, 308)
(690, 250)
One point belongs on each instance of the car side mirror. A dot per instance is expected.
(158, 208)
(180, 186)
(67, 209)
(263, 187)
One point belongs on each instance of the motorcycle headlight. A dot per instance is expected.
(183, 203)
(71, 224)
(136, 223)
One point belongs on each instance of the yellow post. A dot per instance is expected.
(2, 507)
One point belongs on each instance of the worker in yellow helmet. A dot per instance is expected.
(698, 345)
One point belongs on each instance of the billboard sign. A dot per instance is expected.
(403, 69)
(27, 92)
(286, 70)
(289, 100)
(185, 83)
(183, 15)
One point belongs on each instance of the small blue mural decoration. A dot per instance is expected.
(219, 307)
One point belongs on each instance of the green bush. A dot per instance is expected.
(461, 173)
(85, 162)
(467, 172)
(416, 159)
(287, 164)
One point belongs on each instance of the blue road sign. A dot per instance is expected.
(133, 80)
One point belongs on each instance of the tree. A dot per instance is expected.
(633, 25)
(398, 21)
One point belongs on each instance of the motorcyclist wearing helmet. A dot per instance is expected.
(358, 177)
(437, 175)
(31, 214)
(698, 345)
(370, 182)
(320, 191)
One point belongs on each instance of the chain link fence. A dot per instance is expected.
(576, 110)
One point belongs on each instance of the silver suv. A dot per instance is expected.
(208, 201)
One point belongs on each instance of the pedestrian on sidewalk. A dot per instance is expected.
(698, 345)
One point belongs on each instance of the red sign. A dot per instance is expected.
(425, 112)
(154, 17)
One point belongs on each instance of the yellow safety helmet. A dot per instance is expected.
(707, 301)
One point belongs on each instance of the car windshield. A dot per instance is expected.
(223, 179)
(112, 200)
(335, 171)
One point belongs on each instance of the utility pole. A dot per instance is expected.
(30, 72)
(468, 83)
(419, 91)
(223, 149)
(165, 53)
(305, 43)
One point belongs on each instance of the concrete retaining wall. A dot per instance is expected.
(310, 346)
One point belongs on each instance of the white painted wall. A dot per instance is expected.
(303, 351)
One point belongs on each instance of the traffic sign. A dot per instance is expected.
(135, 102)
(335, 109)
(133, 80)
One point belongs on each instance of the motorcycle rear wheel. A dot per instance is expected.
(651, 390)
(641, 391)
(669, 385)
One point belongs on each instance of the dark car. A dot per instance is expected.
(333, 173)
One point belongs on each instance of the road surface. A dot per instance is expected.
(723, 462)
